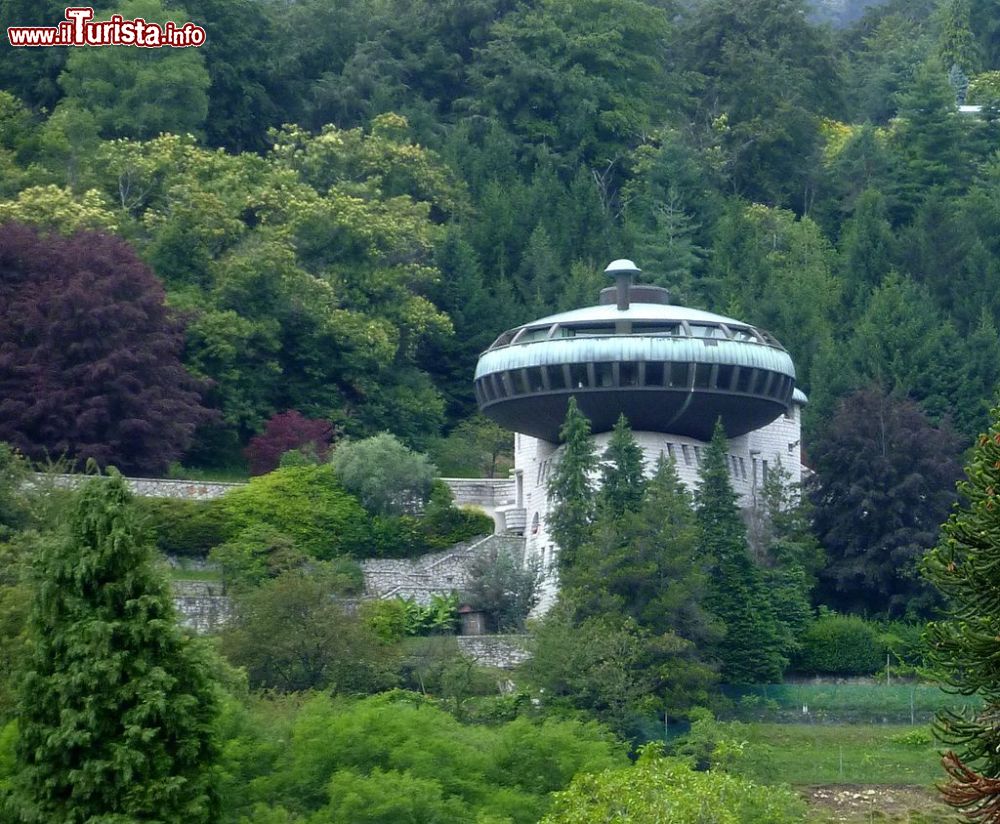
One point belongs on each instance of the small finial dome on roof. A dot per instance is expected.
(622, 266)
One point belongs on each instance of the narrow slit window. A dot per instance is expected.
(744, 379)
(654, 374)
(557, 379)
(761, 380)
(535, 379)
(519, 382)
(506, 384)
(629, 373)
(604, 372)
(702, 375)
(725, 379)
(679, 374)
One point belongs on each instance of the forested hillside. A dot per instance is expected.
(453, 168)
(297, 238)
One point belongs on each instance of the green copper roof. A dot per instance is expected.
(648, 348)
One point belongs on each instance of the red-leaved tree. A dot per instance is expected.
(89, 357)
(283, 433)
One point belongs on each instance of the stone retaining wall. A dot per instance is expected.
(501, 651)
(201, 605)
(488, 493)
(437, 573)
(156, 487)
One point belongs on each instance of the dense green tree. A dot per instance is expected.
(288, 756)
(957, 46)
(778, 270)
(477, 309)
(242, 103)
(31, 73)
(779, 532)
(595, 664)
(622, 474)
(139, 92)
(765, 74)
(387, 477)
(884, 53)
(648, 565)
(866, 249)
(117, 706)
(902, 344)
(503, 586)
(477, 447)
(885, 482)
(751, 649)
(963, 567)
(572, 497)
(329, 648)
(308, 504)
(930, 143)
(583, 79)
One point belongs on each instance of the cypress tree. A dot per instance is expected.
(750, 652)
(963, 645)
(117, 705)
(571, 488)
(622, 479)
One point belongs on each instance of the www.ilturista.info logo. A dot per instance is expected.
(80, 29)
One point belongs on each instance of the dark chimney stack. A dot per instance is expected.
(623, 272)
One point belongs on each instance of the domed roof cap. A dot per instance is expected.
(622, 266)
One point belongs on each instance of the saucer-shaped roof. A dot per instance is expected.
(668, 368)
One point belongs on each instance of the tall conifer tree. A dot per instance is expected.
(571, 486)
(963, 646)
(117, 705)
(622, 479)
(750, 652)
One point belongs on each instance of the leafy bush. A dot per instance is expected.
(906, 643)
(292, 634)
(504, 588)
(387, 477)
(439, 617)
(184, 527)
(308, 505)
(445, 524)
(664, 789)
(386, 618)
(285, 753)
(441, 526)
(841, 645)
(918, 737)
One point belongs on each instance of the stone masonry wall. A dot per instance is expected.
(437, 573)
(487, 493)
(201, 605)
(159, 487)
(501, 651)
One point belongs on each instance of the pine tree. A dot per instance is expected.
(571, 488)
(750, 652)
(117, 706)
(622, 479)
(965, 566)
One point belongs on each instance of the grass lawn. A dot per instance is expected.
(850, 753)
(857, 772)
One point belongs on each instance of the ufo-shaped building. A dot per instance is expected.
(672, 370)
